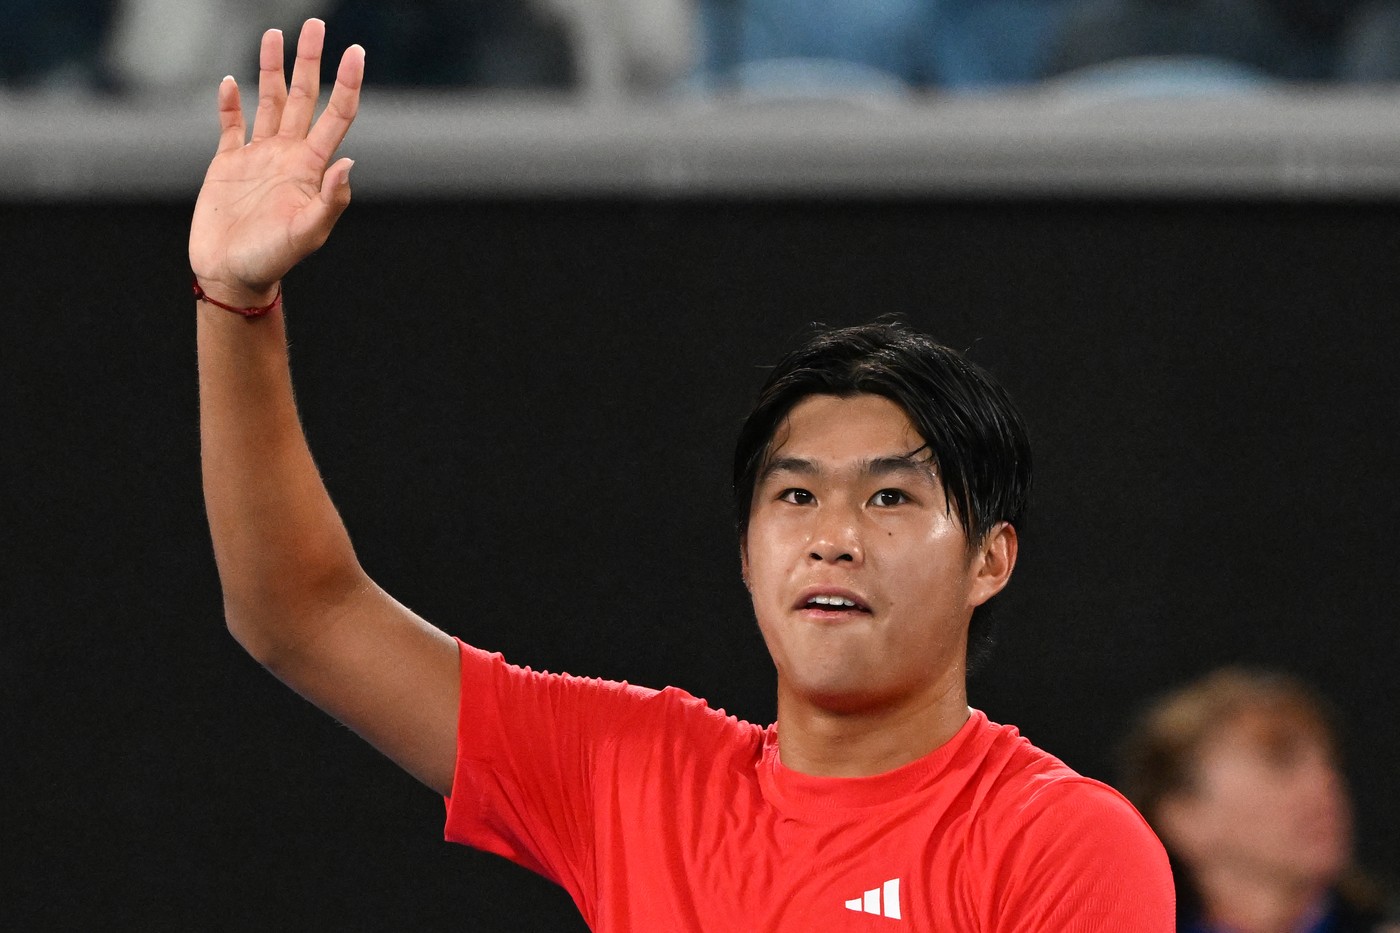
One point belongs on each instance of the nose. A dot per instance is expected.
(835, 538)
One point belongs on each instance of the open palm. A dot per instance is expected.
(268, 203)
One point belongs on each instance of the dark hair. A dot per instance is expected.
(975, 436)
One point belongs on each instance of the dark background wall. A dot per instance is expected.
(525, 410)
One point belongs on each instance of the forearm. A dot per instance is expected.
(294, 594)
(283, 554)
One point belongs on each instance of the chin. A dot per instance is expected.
(837, 693)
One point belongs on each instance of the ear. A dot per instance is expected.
(744, 560)
(993, 563)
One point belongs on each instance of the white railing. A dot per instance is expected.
(1047, 142)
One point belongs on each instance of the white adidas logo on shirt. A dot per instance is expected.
(871, 902)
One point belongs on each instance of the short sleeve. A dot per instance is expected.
(1082, 860)
(527, 746)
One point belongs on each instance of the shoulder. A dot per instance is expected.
(1052, 840)
(1031, 793)
(1080, 817)
(613, 708)
(690, 725)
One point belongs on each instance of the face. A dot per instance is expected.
(862, 580)
(1268, 801)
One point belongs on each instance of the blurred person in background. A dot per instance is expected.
(613, 48)
(1239, 773)
(1219, 40)
(164, 46)
(608, 48)
(492, 44)
(811, 47)
(54, 44)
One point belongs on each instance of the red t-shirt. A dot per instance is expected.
(658, 813)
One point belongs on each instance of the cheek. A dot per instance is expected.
(930, 562)
(1256, 810)
(762, 564)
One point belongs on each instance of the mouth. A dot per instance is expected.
(825, 603)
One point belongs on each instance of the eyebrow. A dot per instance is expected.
(893, 465)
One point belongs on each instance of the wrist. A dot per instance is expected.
(249, 302)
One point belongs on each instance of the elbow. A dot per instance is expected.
(276, 627)
(256, 633)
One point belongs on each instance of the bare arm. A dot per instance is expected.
(294, 593)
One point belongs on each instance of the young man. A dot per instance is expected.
(878, 483)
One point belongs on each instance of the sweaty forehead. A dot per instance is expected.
(839, 434)
(845, 430)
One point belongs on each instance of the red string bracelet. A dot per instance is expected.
(246, 312)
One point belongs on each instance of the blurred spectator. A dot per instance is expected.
(1354, 40)
(452, 43)
(604, 47)
(611, 48)
(1239, 774)
(187, 45)
(53, 43)
(1289, 40)
(979, 44)
(1370, 44)
(816, 46)
(632, 45)
(164, 45)
(879, 45)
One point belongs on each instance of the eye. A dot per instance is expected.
(888, 497)
(797, 496)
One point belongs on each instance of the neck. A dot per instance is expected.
(823, 742)
(1238, 901)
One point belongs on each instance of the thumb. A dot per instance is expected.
(313, 225)
(335, 187)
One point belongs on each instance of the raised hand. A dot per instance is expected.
(267, 204)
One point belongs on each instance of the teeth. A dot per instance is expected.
(832, 601)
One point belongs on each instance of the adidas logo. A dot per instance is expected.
(872, 901)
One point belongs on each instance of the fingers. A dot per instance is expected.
(272, 86)
(334, 122)
(231, 129)
(306, 81)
